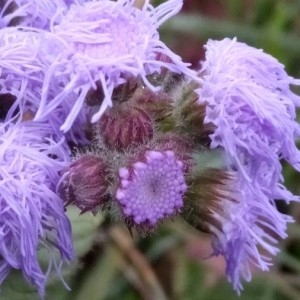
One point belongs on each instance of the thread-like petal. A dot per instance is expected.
(31, 213)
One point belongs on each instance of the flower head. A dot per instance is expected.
(106, 42)
(24, 58)
(152, 189)
(23, 61)
(250, 231)
(245, 224)
(248, 99)
(32, 215)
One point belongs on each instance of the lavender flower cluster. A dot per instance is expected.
(97, 112)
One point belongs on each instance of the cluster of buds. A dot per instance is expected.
(139, 157)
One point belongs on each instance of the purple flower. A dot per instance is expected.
(23, 60)
(33, 13)
(25, 56)
(152, 189)
(246, 229)
(32, 215)
(105, 43)
(248, 98)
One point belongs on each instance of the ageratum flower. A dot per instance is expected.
(245, 227)
(24, 58)
(248, 99)
(105, 43)
(33, 13)
(32, 215)
(152, 189)
(20, 60)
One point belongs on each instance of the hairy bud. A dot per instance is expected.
(125, 126)
(85, 183)
(206, 196)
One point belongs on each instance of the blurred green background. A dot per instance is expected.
(174, 263)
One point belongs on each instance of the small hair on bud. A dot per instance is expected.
(124, 126)
(85, 184)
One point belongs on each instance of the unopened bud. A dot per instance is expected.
(189, 114)
(85, 183)
(157, 104)
(209, 192)
(124, 126)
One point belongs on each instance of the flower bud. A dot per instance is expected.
(124, 91)
(85, 183)
(158, 104)
(206, 196)
(125, 125)
(120, 94)
(189, 113)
